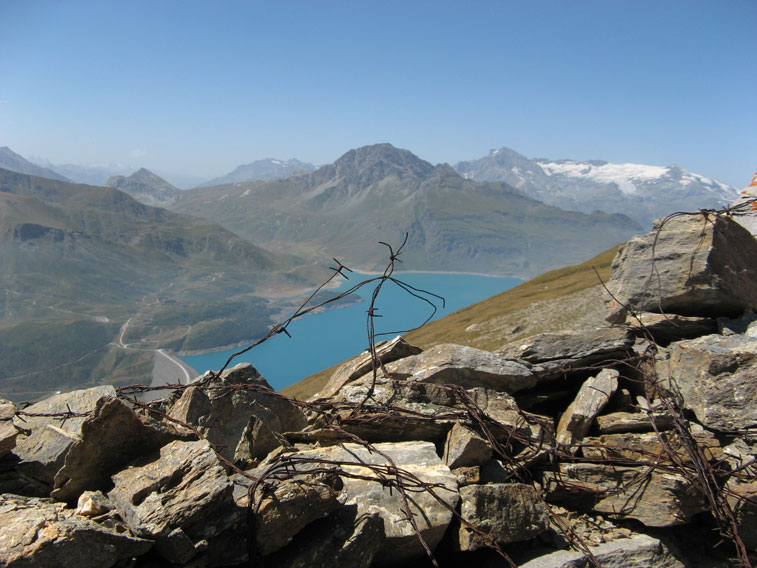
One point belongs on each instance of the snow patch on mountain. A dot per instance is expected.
(623, 175)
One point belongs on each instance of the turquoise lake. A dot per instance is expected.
(321, 340)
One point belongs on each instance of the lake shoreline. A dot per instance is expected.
(334, 284)
(334, 335)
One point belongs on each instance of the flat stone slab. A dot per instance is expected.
(557, 353)
(640, 551)
(465, 366)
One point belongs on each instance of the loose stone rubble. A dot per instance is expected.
(598, 447)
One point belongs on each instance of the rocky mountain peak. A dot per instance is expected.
(372, 163)
(146, 187)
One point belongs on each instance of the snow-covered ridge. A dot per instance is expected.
(627, 176)
(621, 174)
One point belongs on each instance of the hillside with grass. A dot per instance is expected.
(92, 282)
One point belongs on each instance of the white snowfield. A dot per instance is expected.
(628, 177)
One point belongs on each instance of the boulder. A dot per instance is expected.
(640, 551)
(180, 498)
(222, 412)
(506, 512)
(704, 265)
(8, 431)
(656, 498)
(46, 439)
(715, 375)
(464, 366)
(592, 397)
(554, 354)
(378, 493)
(111, 437)
(341, 540)
(41, 533)
(386, 351)
(464, 447)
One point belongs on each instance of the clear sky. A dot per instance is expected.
(199, 88)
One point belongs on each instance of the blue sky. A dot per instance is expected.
(197, 88)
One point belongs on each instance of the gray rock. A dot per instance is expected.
(659, 499)
(592, 397)
(418, 459)
(703, 266)
(640, 551)
(185, 488)
(8, 431)
(464, 447)
(386, 351)
(42, 450)
(111, 437)
(222, 412)
(715, 375)
(290, 507)
(507, 512)
(556, 353)
(44, 534)
(464, 366)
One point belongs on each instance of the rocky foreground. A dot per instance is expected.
(626, 445)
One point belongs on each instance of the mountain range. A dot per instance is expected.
(93, 282)
(642, 192)
(380, 193)
(9, 160)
